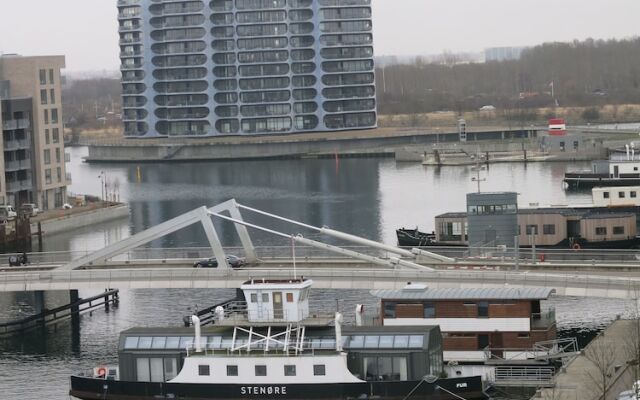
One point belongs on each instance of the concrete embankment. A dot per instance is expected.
(607, 365)
(59, 220)
(351, 143)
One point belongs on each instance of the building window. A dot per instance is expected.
(203, 370)
(254, 298)
(319, 370)
(52, 96)
(601, 230)
(261, 370)
(549, 229)
(51, 76)
(47, 156)
(59, 174)
(483, 309)
(524, 335)
(562, 146)
(43, 77)
(58, 154)
(621, 195)
(56, 135)
(43, 96)
(429, 310)
(46, 116)
(618, 230)
(605, 195)
(47, 138)
(532, 229)
(232, 370)
(47, 176)
(54, 115)
(289, 370)
(289, 297)
(632, 194)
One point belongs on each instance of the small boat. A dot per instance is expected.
(415, 238)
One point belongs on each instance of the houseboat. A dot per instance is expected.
(282, 352)
(483, 330)
(605, 173)
(610, 222)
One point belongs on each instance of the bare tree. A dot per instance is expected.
(602, 354)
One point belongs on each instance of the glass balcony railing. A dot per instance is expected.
(16, 165)
(17, 186)
(17, 144)
(16, 124)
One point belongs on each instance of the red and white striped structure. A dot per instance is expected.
(557, 127)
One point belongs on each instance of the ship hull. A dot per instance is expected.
(86, 388)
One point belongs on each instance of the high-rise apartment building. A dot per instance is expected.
(32, 154)
(226, 67)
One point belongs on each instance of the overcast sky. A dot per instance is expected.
(86, 30)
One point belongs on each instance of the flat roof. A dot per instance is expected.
(534, 293)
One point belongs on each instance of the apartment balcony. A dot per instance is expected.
(14, 124)
(128, 28)
(17, 186)
(17, 165)
(22, 144)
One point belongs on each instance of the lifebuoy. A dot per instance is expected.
(102, 371)
(576, 246)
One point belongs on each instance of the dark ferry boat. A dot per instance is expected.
(281, 353)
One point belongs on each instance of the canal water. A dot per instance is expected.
(366, 197)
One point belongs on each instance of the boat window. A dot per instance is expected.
(226, 343)
(261, 370)
(621, 195)
(386, 342)
(142, 370)
(357, 341)
(289, 297)
(232, 370)
(131, 342)
(385, 368)
(389, 310)
(145, 342)
(601, 230)
(549, 229)
(203, 370)
(214, 342)
(157, 369)
(605, 195)
(632, 194)
(185, 341)
(170, 368)
(289, 370)
(532, 229)
(173, 342)
(429, 310)
(416, 341)
(618, 230)
(401, 341)
(254, 298)
(319, 370)
(265, 297)
(328, 343)
(158, 342)
(371, 342)
(483, 309)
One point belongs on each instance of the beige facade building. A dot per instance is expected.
(33, 157)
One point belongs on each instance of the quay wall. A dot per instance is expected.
(90, 217)
(131, 150)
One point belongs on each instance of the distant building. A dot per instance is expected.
(32, 157)
(246, 67)
(502, 53)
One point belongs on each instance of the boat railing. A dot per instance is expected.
(259, 351)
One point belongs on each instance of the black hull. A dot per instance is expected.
(587, 180)
(92, 389)
(415, 238)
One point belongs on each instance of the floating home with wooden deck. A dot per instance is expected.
(482, 328)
